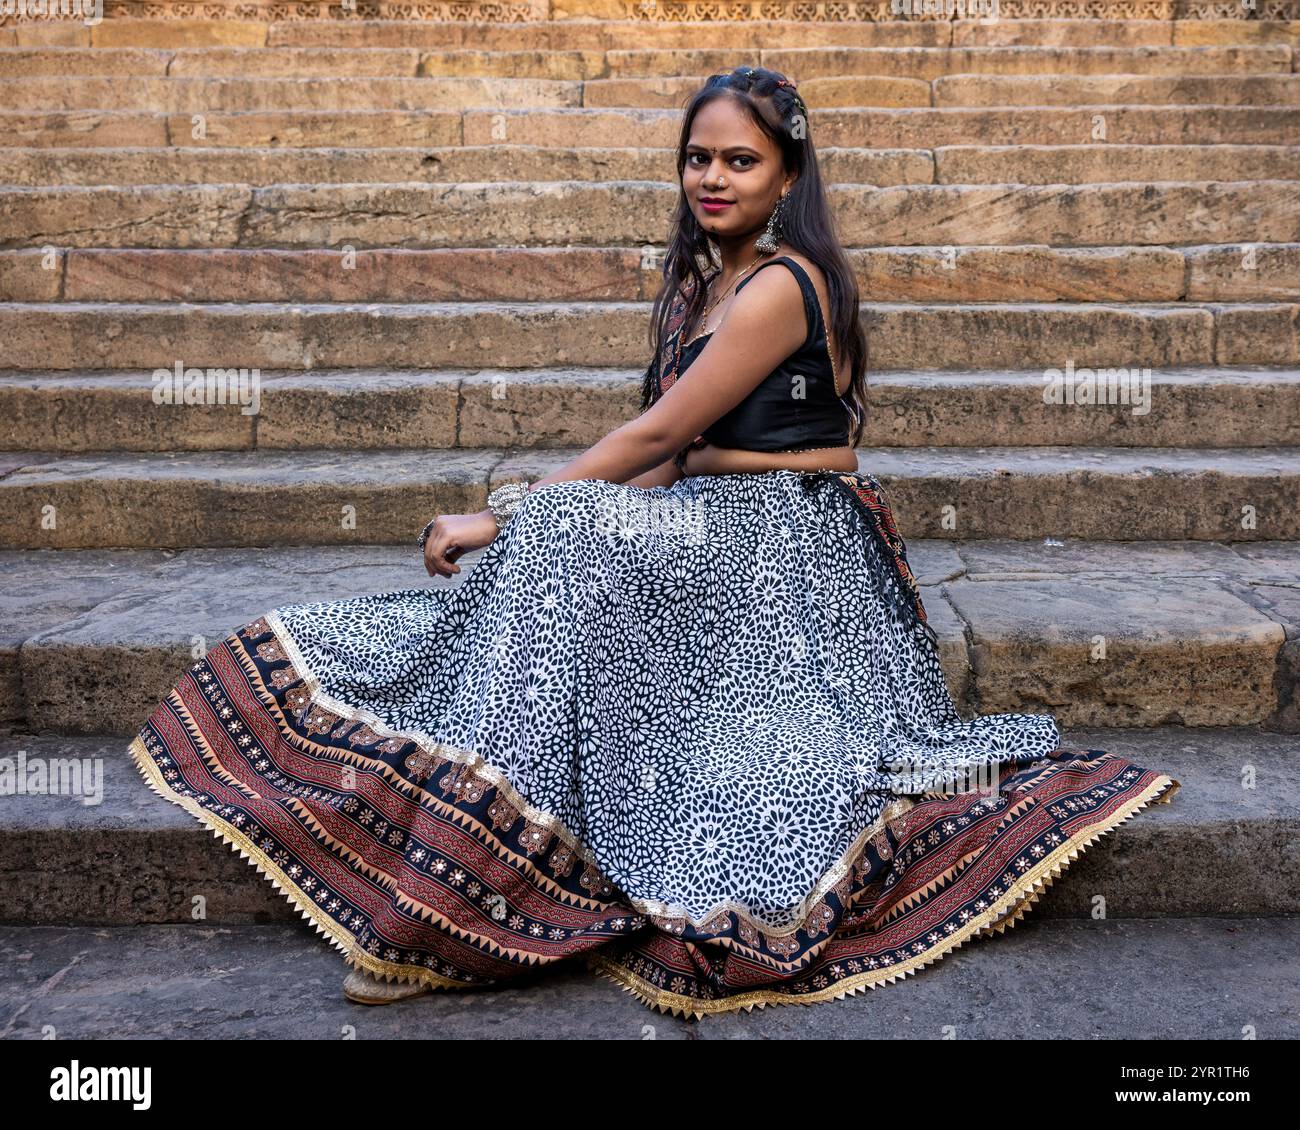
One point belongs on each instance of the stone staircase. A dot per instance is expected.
(437, 241)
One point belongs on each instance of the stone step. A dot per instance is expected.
(1121, 634)
(35, 167)
(901, 336)
(354, 497)
(156, 982)
(908, 127)
(231, 95)
(632, 212)
(811, 65)
(1256, 272)
(1094, 90)
(115, 411)
(128, 857)
(584, 28)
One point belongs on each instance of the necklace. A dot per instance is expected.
(704, 319)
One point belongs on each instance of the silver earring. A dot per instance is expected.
(767, 242)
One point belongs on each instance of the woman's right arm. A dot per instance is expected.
(662, 476)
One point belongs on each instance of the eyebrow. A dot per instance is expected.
(729, 149)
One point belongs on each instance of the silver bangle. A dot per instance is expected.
(505, 501)
(424, 534)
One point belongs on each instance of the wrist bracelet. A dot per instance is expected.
(503, 502)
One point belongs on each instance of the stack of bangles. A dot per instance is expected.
(503, 502)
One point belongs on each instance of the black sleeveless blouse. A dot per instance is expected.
(796, 407)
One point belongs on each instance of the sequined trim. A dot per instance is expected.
(1003, 914)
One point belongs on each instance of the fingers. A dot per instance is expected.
(439, 555)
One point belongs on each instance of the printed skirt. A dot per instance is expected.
(696, 737)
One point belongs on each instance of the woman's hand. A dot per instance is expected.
(453, 535)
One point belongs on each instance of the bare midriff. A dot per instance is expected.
(713, 460)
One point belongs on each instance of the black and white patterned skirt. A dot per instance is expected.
(713, 685)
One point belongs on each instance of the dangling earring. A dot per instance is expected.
(767, 242)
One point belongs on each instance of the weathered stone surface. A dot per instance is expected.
(1220, 407)
(670, 93)
(1194, 494)
(81, 335)
(1266, 272)
(1005, 32)
(1117, 89)
(294, 62)
(1110, 655)
(455, 215)
(234, 498)
(549, 64)
(52, 33)
(1032, 273)
(1195, 33)
(1267, 334)
(444, 274)
(547, 408)
(82, 127)
(630, 212)
(74, 335)
(155, 982)
(1281, 602)
(32, 62)
(550, 408)
(235, 95)
(276, 498)
(932, 62)
(1086, 164)
(32, 274)
(123, 216)
(44, 589)
(34, 167)
(296, 128)
(172, 33)
(356, 410)
(1083, 215)
(907, 127)
(112, 411)
(103, 667)
(1033, 335)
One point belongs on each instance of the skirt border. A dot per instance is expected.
(337, 935)
(1001, 916)
(483, 769)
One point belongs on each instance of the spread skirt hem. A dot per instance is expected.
(1004, 914)
(713, 816)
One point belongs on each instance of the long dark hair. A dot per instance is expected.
(806, 224)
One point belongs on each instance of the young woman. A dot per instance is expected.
(685, 718)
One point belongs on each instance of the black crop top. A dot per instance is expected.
(773, 417)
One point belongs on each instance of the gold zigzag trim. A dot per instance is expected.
(1002, 915)
(489, 773)
(323, 922)
(425, 798)
(337, 935)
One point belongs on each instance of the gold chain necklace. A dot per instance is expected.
(709, 309)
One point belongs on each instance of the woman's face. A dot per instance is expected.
(733, 165)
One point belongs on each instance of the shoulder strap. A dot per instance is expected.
(811, 307)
